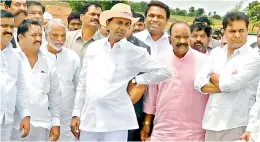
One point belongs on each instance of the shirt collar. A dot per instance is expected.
(242, 49)
(96, 35)
(149, 36)
(119, 44)
(186, 56)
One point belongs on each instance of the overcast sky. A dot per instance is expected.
(220, 6)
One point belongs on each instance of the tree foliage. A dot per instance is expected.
(253, 12)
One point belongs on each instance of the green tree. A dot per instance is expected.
(138, 6)
(77, 5)
(200, 12)
(191, 11)
(253, 12)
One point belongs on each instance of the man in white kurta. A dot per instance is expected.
(13, 89)
(102, 105)
(67, 63)
(44, 86)
(231, 80)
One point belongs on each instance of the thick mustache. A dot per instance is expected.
(17, 13)
(6, 33)
(37, 42)
(182, 44)
(199, 43)
(95, 20)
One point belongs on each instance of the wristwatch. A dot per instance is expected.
(133, 81)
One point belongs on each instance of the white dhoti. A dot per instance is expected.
(36, 134)
(104, 136)
(225, 135)
(6, 131)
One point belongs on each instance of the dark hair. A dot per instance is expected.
(159, 4)
(6, 14)
(24, 26)
(138, 15)
(234, 16)
(9, 2)
(73, 15)
(84, 9)
(176, 23)
(199, 27)
(202, 19)
(30, 3)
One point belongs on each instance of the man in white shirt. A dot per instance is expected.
(13, 89)
(253, 127)
(103, 111)
(44, 96)
(231, 80)
(68, 67)
(156, 15)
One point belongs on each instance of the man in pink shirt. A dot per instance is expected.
(177, 106)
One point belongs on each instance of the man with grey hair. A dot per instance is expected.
(68, 67)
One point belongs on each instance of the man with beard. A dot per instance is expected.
(200, 36)
(156, 15)
(139, 25)
(13, 88)
(177, 106)
(80, 39)
(68, 67)
(103, 111)
(230, 78)
(44, 87)
(19, 9)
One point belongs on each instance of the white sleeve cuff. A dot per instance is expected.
(140, 79)
(76, 112)
(55, 121)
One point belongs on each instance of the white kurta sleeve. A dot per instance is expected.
(154, 71)
(54, 97)
(22, 103)
(77, 72)
(254, 115)
(242, 78)
(202, 77)
(81, 90)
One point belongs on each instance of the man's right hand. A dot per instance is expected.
(74, 126)
(144, 134)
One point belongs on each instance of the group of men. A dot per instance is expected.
(88, 80)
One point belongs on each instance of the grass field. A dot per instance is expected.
(216, 22)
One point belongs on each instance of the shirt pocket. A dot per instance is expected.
(41, 81)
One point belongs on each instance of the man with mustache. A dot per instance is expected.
(103, 110)
(13, 89)
(205, 20)
(230, 78)
(19, 9)
(139, 25)
(44, 87)
(68, 67)
(177, 106)
(35, 12)
(80, 39)
(200, 36)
